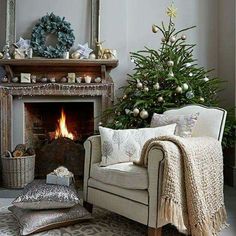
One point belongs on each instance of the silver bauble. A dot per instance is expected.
(92, 56)
(189, 95)
(144, 114)
(146, 89)
(139, 85)
(188, 64)
(190, 74)
(160, 99)
(179, 89)
(156, 86)
(183, 37)
(206, 79)
(154, 29)
(172, 39)
(136, 111)
(201, 99)
(170, 63)
(163, 39)
(185, 87)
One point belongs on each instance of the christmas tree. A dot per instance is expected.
(163, 79)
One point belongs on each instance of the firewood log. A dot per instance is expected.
(21, 147)
(18, 153)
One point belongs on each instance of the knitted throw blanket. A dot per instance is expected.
(192, 189)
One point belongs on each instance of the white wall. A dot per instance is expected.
(126, 26)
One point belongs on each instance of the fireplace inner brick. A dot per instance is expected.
(41, 122)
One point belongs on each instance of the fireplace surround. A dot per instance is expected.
(48, 98)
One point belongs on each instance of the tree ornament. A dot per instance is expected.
(179, 89)
(172, 39)
(160, 99)
(146, 89)
(139, 85)
(170, 63)
(206, 79)
(156, 86)
(190, 74)
(127, 111)
(163, 39)
(136, 112)
(171, 74)
(183, 37)
(52, 24)
(201, 99)
(154, 29)
(144, 114)
(171, 11)
(188, 64)
(124, 97)
(185, 87)
(189, 95)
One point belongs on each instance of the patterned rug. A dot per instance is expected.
(105, 223)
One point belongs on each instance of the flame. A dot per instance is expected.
(62, 130)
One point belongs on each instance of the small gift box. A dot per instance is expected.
(60, 176)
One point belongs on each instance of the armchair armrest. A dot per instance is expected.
(155, 170)
(92, 155)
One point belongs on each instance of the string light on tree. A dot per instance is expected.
(190, 74)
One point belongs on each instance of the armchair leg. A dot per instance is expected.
(154, 232)
(88, 206)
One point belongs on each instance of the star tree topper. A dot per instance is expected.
(84, 50)
(171, 11)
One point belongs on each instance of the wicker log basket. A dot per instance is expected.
(17, 172)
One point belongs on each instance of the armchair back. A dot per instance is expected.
(211, 120)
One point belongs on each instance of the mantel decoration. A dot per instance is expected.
(52, 24)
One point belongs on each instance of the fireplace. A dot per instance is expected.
(29, 113)
(57, 130)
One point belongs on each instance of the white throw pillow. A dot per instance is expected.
(126, 145)
(184, 123)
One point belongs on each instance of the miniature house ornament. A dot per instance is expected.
(71, 77)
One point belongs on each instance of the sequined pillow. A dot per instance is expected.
(184, 123)
(37, 221)
(39, 195)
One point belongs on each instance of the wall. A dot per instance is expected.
(227, 68)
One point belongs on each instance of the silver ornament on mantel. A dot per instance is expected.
(144, 114)
(170, 63)
(190, 95)
(139, 85)
(185, 87)
(179, 89)
(156, 86)
(136, 112)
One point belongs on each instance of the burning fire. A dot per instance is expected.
(62, 130)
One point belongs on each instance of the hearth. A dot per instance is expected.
(57, 131)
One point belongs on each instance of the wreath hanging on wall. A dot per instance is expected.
(52, 24)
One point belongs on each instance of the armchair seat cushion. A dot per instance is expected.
(124, 175)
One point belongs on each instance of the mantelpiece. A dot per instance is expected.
(56, 68)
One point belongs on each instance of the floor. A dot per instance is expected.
(6, 197)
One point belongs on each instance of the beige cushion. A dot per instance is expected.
(126, 145)
(124, 175)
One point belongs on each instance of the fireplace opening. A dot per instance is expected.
(57, 131)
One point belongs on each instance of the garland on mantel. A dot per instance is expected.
(66, 89)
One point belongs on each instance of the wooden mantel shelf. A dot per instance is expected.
(59, 62)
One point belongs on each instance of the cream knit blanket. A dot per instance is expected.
(192, 190)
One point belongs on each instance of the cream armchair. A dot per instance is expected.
(133, 191)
